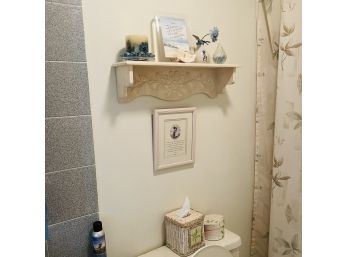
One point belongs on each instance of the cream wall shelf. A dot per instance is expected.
(171, 81)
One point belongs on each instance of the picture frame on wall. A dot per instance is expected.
(174, 137)
(171, 36)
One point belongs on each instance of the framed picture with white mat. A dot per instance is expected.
(174, 137)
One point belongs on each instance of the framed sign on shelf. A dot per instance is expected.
(174, 137)
(171, 36)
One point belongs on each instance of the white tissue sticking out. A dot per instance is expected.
(185, 210)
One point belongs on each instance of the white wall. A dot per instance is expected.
(132, 200)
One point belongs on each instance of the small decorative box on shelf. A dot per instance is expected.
(213, 227)
(184, 235)
(171, 81)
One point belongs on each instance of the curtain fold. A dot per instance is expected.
(267, 68)
(286, 197)
(277, 192)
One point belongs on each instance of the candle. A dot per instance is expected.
(137, 43)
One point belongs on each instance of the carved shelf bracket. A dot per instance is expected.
(171, 81)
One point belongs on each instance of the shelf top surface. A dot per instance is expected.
(174, 64)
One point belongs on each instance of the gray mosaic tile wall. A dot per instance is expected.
(71, 189)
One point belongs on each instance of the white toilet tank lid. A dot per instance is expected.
(230, 241)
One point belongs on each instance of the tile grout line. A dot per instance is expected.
(65, 4)
(66, 62)
(75, 168)
(58, 223)
(67, 117)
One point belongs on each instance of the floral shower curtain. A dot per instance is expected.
(276, 229)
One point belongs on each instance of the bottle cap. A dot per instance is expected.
(97, 226)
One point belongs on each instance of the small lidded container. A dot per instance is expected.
(214, 227)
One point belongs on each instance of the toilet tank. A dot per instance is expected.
(231, 242)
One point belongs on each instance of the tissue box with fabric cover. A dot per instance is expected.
(184, 235)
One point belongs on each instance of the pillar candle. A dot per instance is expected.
(137, 43)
